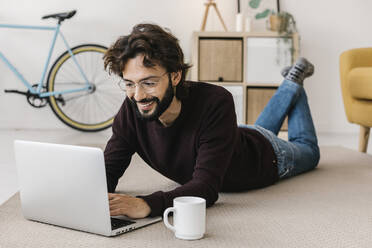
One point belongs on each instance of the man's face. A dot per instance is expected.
(152, 91)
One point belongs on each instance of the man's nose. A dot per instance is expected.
(139, 93)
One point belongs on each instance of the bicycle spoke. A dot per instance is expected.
(103, 76)
(91, 65)
(99, 105)
(95, 69)
(110, 101)
(70, 70)
(74, 97)
(112, 97)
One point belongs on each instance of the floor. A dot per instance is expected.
(8, 178)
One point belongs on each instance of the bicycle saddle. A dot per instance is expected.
(61, 16)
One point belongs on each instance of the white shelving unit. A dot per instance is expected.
(247, 64)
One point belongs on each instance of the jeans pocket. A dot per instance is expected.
(285, 163)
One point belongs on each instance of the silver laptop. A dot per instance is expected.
(66, 186)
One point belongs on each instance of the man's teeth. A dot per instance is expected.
(145, 105)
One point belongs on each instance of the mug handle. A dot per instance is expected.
(165, 218)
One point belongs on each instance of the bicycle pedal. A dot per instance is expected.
(61, 100)
(17, 92)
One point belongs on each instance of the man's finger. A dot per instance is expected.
(118, 204)
(112, 196)
(119, 211)
(118, 200)
(114, 200)
(113, 207)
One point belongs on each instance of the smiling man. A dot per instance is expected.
(187, 131)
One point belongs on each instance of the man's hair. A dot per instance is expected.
(159, 47)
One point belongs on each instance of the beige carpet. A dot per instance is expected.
(328, 207)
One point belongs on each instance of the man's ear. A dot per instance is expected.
(176, 78)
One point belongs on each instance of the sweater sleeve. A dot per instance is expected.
(215, 147)
(119, 149)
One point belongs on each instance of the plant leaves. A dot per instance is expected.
(254, 4)
(263, 14)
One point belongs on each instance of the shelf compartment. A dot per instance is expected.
(220, 59)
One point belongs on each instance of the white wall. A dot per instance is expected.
(327, 28)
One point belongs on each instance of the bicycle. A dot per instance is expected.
(81, 94)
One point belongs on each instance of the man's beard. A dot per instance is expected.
(160, 108)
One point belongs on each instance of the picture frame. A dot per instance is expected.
(258, 11)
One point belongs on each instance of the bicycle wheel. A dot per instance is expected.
(89, 110)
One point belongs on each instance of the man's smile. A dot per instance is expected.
(146, 106)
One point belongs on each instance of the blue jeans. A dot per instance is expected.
(301, 152)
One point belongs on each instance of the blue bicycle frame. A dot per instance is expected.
(40, 84)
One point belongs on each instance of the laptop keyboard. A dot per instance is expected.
(117, 223)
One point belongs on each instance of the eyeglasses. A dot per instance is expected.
(148, 85)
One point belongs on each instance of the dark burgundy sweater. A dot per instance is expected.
(203, 150)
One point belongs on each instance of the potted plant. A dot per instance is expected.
(282, 22)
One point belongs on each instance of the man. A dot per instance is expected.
(187, 131)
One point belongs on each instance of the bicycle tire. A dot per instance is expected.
(64, 73)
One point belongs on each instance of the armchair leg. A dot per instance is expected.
(363, 138)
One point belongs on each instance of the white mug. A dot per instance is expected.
(188, 217)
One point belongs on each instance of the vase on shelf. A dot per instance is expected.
(239, 23)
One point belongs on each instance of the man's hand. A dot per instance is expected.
(130, 206)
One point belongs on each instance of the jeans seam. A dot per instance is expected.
(280, 156)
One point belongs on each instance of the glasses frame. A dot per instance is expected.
(123, 86)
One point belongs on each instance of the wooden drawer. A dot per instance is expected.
(257, 98)
(220, 60)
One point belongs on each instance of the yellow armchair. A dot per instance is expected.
(356, 86)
